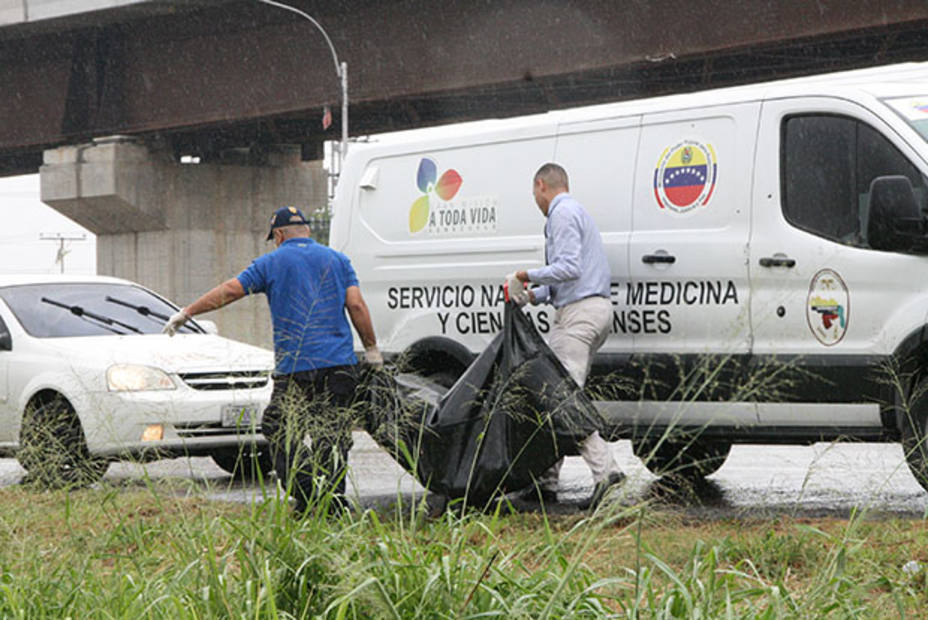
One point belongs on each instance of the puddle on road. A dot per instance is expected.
(756, 481)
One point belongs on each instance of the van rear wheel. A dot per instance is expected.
(53, 448)
(685, 460)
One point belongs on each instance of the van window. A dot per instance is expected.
(828, 163)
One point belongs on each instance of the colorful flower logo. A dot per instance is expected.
(445, 188)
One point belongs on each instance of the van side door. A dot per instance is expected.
(599, 156)
(688, 297)
(437, 224)
(828, 307)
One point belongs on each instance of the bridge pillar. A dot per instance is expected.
(180, 229)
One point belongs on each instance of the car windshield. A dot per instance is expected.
(914, 110)
(62, 310)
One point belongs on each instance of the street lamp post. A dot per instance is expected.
(341, 70)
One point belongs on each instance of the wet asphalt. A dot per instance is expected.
(756, 481)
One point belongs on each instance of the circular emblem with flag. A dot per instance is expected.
(828, 307)
(685, 176)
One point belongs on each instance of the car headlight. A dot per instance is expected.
(133, 378)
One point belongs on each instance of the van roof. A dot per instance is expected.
(886, 80)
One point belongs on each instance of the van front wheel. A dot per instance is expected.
(682, 459)
(438, 359)
(914, 433)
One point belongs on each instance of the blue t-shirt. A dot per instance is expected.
(305, 284)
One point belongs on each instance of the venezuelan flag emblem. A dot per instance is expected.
(685, 176)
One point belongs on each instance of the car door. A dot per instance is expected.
(687, 297)
(6, 402)
(827, 308)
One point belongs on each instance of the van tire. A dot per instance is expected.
(438, 359)
(682, 459)
(914, 432)
(52, 446)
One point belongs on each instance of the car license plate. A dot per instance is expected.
(239, 415)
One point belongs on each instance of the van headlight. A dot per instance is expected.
(133, 378)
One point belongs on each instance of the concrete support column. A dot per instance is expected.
(180, 229)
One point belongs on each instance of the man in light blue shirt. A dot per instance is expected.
(575, 280)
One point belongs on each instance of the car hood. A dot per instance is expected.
(181, 353)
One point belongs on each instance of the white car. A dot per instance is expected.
(87, 377)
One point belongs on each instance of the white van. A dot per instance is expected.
(769, 262)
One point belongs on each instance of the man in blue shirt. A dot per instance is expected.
(575, 280)
(308, 287)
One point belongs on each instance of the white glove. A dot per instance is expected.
(174, 323)
(372, 357)
(516, 289)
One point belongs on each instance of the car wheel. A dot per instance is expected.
(53, 449)
(685, 460)
(915, 433)
(245, 463)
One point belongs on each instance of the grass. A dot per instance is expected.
(148, 553)
(163, 551)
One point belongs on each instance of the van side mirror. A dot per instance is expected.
(895, 222)
(6, 341)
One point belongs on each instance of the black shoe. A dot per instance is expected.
(600, 491)
(435, 505)
(547, 496)
(535, 495)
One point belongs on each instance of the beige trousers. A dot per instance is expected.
(579, 330)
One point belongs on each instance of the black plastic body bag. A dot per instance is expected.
(512, 414)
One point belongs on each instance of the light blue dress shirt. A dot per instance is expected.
(576, 267)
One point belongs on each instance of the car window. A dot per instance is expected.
(828, 163)
(62, 310)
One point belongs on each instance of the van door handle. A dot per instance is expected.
(650, 259)
(777, 261)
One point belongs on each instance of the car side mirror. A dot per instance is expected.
(6, 341)
(208, 326)
(894, 222)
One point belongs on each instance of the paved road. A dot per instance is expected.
(823, 479)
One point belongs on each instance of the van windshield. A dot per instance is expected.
(913, 110)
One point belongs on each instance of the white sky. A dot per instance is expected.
(23, 217)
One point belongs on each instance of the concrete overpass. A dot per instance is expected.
(242, 86)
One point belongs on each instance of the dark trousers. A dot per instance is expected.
(308, 426)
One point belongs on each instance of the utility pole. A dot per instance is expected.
(61, 238)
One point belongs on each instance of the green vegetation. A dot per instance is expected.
(160, 552)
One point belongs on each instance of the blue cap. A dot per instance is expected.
(285, 216)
